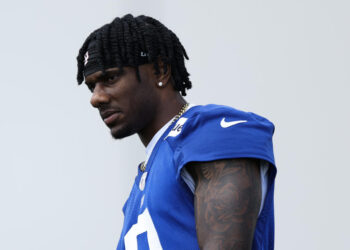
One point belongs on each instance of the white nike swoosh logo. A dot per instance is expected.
(225, 124)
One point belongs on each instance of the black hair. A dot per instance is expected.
(121, 42)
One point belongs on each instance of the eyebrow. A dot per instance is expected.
(101, 75)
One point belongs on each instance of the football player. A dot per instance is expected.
(208, 179)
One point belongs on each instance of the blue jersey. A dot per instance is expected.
(159, 213)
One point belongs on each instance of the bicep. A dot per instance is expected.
(227, 202)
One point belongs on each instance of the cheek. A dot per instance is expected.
(143, 103)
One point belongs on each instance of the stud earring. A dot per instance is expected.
(160, 84)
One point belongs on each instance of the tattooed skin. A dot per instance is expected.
(227, 202)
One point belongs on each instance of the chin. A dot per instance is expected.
(119, 133)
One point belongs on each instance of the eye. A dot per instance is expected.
(111, 78)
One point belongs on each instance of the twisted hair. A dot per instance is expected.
(121, 42)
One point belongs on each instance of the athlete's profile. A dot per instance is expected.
(207, 181)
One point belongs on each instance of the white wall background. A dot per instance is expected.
(63, 179)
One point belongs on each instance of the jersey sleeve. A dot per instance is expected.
(223, 133)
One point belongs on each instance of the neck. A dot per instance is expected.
(163, 113)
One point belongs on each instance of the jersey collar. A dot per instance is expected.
(159, 134)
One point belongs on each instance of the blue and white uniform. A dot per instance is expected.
(159, 213)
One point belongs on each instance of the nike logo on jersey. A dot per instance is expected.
(226, 124)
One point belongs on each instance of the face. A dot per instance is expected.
(126, 105)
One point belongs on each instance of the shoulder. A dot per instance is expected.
(212, 119)
(214, 112)
(210, 132)
(211, 110)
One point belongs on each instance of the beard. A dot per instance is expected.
(121, 132)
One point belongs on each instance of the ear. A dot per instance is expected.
(164, 77)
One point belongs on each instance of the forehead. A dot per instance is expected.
(99, 74)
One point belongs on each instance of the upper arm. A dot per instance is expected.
(227, 202)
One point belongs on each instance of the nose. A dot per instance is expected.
(99, 96)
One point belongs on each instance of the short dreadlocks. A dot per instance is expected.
(132, 41)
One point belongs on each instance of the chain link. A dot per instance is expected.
(182, 111)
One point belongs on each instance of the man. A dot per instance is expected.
(208, 179)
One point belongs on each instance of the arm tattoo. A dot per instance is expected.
(227, 202)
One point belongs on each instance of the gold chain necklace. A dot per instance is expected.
(182, 111)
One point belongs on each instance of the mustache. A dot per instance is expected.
(106, 111)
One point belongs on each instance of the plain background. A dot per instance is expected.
(64, 180)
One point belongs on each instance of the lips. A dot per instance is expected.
(109, 116)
